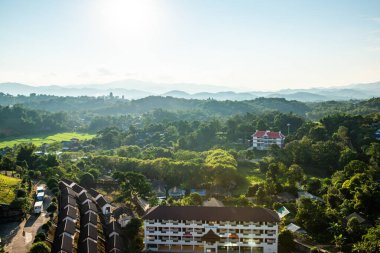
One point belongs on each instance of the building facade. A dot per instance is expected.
(211, 229)
(262, 140)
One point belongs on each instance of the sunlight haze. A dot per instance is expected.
(240, 45)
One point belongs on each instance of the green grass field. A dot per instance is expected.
(39, 140)
(8, 185)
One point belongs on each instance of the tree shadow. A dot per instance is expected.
(31, 220)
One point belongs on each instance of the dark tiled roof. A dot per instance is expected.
(68, 212)
(88, 206)
(62, 185)
(67, 181)
(88, 246)
(63, 243)
(68, 191)
(122, 210)
(89, 232)
(254, 214)
(89, 218)
(68, 200)
(114, 242)
(77, 188)
(83, 197)
(67, 226)
(93, 192)
(113, 226)
(101, 201)
(210, 236)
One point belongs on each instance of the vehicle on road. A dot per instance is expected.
(38, 207)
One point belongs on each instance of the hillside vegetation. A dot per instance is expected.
(8, 185)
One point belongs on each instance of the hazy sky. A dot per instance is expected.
(250, 45)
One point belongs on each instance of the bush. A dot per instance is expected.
(20, 193)
(39, 247)
(40, 237)
(52, 207)
(45, 227)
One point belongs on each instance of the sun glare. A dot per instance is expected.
(127, 17)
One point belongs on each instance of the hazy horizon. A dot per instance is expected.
(236, 45)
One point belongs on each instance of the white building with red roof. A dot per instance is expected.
(262, 140)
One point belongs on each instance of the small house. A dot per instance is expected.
(176, 192)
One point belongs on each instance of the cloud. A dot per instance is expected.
(104, 72)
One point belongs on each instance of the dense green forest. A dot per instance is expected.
(330, 151)
(24, 115)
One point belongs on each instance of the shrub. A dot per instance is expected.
(41, 236)
(52, 207)
(20, 193)
(39, 247)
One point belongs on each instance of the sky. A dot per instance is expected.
(239, 44)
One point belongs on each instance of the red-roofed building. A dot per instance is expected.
(262, 140)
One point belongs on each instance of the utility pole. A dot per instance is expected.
(288, 127)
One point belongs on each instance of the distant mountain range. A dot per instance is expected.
(135, 89)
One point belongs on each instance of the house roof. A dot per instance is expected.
(67, 181)
(122, 210)
(213, 202)
(77, 188)
(113, 226)
(254, 214)
(89, 217)
(88, 206)
(357, 216)
(66, 226)
(67, 191)
(114, 242)
(294, 228)
(69, 212)
(89, 232)
(93, 192)
(88, 246)
(63, 243)
(268, 134)
(68, 200)
(102, 201)
(210, 236)
(84, 196)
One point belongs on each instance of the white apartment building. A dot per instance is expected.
(262, 140)
(211, 229)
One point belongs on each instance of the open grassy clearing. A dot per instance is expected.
(8, 185)
(39, 140)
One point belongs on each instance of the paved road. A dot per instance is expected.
(21, 243)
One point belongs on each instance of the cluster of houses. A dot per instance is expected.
(85, 222)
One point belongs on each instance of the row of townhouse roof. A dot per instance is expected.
(80, 228)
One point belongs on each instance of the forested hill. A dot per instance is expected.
(112, 106)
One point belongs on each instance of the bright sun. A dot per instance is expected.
(127, 17)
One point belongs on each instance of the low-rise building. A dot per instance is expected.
(211, 229)
(263, 140)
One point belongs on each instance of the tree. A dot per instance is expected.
(370, 242)
(87, 180)
(286, 242)
(39, 247)
(26, 153)
(311, 216)
(136, 184)
(354, 230)
(194, 199)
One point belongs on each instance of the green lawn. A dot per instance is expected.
(39, 140)
(8, 185)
